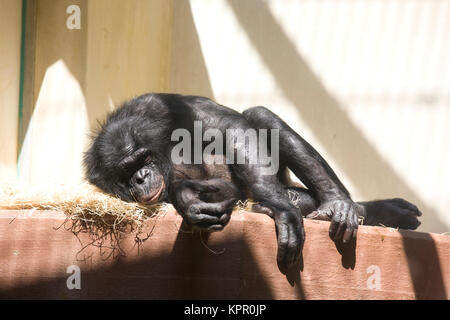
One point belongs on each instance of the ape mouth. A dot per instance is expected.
(155, 197)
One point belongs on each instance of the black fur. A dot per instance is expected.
(130, 158)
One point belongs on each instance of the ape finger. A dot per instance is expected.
(319, 215)
(214, 227)
(340, 231)
(352, 218)
(350, 234)
(334, 226)
(214, 208)
(224, 219)
(283, 238)
(292, 247)
(200, 218)
(296, 241)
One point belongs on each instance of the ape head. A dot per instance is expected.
(124, 161)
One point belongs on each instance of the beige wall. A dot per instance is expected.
(55, 136)
(121, 50)
(128, 51)
(366, 82)
(10, 33)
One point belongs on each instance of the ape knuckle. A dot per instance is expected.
(194, 210)
(339, 205)
(336, 219)
(281, 219)
(292, 245)
(283, 240)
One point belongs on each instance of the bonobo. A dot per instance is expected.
(132, 157)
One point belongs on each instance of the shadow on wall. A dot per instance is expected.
(188, 72)
(179, 274)
(181, 267)
(428, 277)
(368, 171)
(117, 54)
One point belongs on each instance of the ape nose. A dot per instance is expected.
(141, 175)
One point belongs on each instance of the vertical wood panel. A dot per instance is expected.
(55, 137)
(29, 67)
(121, 50)
(10, 26)
(128, 51)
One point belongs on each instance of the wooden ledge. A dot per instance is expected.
(36, 261)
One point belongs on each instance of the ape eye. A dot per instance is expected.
(135, 159)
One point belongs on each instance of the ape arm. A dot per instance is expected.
(307, 164)
(267, 190)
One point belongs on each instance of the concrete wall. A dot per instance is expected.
(10, 27)
(366, 82)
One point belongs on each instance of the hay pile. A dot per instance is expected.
(106, 219)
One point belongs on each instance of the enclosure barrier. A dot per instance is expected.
(39, 258)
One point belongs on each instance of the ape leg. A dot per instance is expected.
(204, 204)
(306, 163)
(299, 197)
(314, 172)
(325, 190)
(394, 213)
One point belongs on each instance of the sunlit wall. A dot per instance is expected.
(366, 82)
(10, 27)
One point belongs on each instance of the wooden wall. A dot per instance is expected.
(10, 28)
(77, 75)
(39, 262)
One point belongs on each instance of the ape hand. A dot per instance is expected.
(343, 215)
(205, 205)
(209, 216)
(291, 237)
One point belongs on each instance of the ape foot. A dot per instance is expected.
(394, 213)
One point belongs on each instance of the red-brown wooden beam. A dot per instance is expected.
(174, 264)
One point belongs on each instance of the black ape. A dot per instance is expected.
(131, 158)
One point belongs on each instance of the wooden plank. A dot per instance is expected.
(10, 26)
(28, 97)
(75, 76)
(174, 264)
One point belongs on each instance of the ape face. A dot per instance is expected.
(121, 162)
(143, 177)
